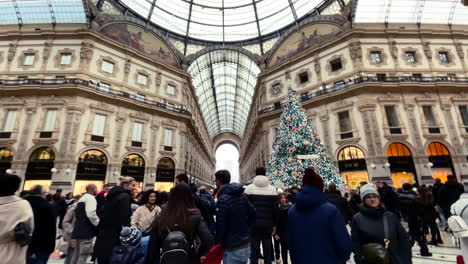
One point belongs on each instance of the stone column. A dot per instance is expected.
(452, 132)
(24, 138)
(120, 121)
(419, 158)
(326, 132)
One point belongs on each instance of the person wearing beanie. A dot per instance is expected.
(368, 224)
(13, 210)
(264, 198)
(130, 250)
(412, 211)
(316, 229)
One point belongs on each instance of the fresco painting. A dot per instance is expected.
(145, 42)
(308, 37)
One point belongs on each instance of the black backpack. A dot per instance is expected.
(175, 248)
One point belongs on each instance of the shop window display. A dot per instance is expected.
(401, 162)
(352, 165)
(441, 161)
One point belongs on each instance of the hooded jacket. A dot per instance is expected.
(316, 230)
(116, 214)
(235, 217)
(367, 227)
(264, 198)
(449, 193)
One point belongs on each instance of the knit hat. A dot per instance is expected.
(368, 189)
(313, 179)
(130, 236)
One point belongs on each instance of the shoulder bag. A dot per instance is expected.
(23, 235)
(377, 253)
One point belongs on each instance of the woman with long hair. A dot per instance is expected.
(281, 234)
(180, 214)
(373, 226)
(116, 214)
(429, 215)
(145, 214)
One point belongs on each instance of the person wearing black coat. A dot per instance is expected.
(115, 215)
(45, 219)
(368, 227)
(449, 193)
(388, 197)
(335, 198)
(281, 234)
(264, 198)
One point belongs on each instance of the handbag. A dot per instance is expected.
(214, 256)
(23, 235)
(376, 253)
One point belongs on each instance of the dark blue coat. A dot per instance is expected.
(317, 232)
(235, 216)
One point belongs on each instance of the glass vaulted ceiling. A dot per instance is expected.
(412, 11)
(222, 20)
(224, 82)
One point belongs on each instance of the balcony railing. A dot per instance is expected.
(94, 86)
(332, 88)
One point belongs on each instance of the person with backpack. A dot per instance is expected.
(460, 209)
(281, 234)
(129, 251)
(14, 211)
(179, 234)
(235, 217)
(183, 178)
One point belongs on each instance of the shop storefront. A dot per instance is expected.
(133, 165)
(402, 167)
(352, 166)
(6, 156)
(39, 169)
(442, 165)
(165, 175)
(92, 168)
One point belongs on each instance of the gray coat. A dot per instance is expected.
(367, 227)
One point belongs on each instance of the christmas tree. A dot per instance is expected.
(297, 147)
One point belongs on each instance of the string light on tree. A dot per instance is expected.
(297, 147)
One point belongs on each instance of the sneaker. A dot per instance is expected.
(428, 254)
(439, 241)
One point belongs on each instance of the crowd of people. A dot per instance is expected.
(233, 223)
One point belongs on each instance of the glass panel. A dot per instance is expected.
(392, 118)
(65, 59)
(93, 156)
(29, 59)
(168, 137)
(49, 123)
(44, 153)
(171, 89)
(429, 116)
(99, 125)
(133, 160)
(345, 122)
(6, 154)
(137, 133)
(464, 114)
(9, 123)
(107, 66)
(142, 79)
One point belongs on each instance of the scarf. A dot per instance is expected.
(150, 206)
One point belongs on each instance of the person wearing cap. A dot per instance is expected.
(460, 208)
(129, 251)
(316, 229)
(368, 227)
(13, 210)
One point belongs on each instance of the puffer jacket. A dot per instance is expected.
(235, 217)
(264, 198)
(128, 255)
(367, 227)
(316, 230)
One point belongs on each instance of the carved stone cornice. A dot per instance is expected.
(95, 144)
(367, 107)
(135, 149)
(167, 153)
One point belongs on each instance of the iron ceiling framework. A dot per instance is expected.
(224, 82)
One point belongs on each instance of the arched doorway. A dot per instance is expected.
(6, 156)
(401, 162)
(39, 168)
(352, 165)
(442, 165)
(165, 174)
(134, 165)
(92, 168)
(227, 158)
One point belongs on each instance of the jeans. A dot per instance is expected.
(263, 238)
(83, 249)
(240, 256)
(69, 256)
(40, 257)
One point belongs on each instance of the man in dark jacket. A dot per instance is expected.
(413, 210)
(183, 178)
(264, 198)
(388, 197)
(116, 214)
(335, 198)
(317, 232)
(234, 219)
(448, 194)
(210, 204)
(85, 228)
(45, 218)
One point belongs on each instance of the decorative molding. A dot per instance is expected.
(11, 51)
(297, 79)
(427, 50)
(275, 82)
(460, 52)
(417, 56)
(355, 52)
(96, 144)
(176, 89)
(451, 57)
(343, 65)
(86, 53)
(148, 80)
(58, 58)
(115, 69)
(34, 52)
(393, 50)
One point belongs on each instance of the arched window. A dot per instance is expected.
(441, 160)
(134, 165)
(401, 162)
(92, 168)
(39, 168)
(6, 156)
(352, 165)
(93, 156)
(165, 174)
